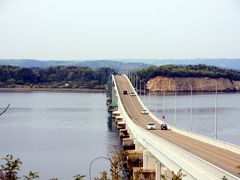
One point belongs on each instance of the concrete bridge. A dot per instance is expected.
(169, 150)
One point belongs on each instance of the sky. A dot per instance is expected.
(119, 29)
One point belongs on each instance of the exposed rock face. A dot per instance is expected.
(197, 84)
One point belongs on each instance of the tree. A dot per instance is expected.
(26, 75)
(77, 76)
(9, 170)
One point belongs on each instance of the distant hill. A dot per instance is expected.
(123, 64)
(117, 65)
(29, 63)
(219, 62)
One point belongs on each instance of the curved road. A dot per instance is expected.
(221, 158)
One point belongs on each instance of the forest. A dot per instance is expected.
(188, 71)
(55, 77)
(86, 77)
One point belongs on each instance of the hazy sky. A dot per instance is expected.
(119, 29)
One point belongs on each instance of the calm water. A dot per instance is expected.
(203, 108)
(57, 134)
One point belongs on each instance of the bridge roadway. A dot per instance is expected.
(219, 157)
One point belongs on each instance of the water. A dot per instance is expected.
(203, 113)
(57, 134)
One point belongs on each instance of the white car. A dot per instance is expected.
(151, 126)
(144, 111)
(133, 94)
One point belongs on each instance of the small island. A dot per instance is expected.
(198, 78)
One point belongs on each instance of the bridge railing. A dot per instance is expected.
(170, 155)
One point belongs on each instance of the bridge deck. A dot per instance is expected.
(219, 157)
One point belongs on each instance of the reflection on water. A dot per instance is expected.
(203, 117)
(57, 134)
(109, 123)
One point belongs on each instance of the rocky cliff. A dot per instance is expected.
(197, 84)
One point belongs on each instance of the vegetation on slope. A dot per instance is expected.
(59, 76)
(188, 71)
(86, 77)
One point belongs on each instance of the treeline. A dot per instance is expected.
(85, 77)
(55, 77)
(188, 71)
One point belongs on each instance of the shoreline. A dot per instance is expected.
(28, 89)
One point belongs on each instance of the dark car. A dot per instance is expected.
(164, 127)
(125, 92)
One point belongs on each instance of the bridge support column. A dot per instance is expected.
(138, 146)
(130, 134)
(149, 167)
(149, 161)
(123, 133)
(162, 170)
(158, 170)
(127, 144)
(121, 125)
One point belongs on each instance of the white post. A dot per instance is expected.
(158, 171)
(149, 99)
(130, 74)
(155, 103)
(136, 83)
(164, 99)
(191, 108)
(216, 135)
(140, 88)
(144, 91)
(133, 80)
(175, 118)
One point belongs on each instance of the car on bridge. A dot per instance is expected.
(164, 127)
(144, 111)
(125, 92)
(133, 94)
(151, 126)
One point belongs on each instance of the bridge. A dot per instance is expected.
(169, 150)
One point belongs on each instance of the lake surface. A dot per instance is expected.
(59, 134)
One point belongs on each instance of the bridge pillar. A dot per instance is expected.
(138, 146)
(151, 164)
(158, 170)
(123, 133)
(149, 161)
(127, 144)
(162, 170)
(130, 133)
(121, 125)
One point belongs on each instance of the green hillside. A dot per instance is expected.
(188, 71)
